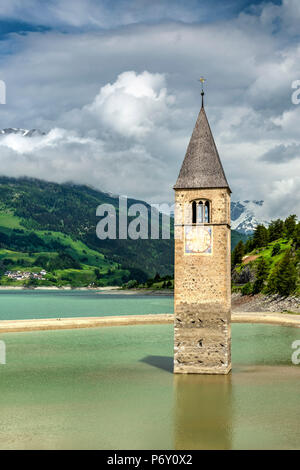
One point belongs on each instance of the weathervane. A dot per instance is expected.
(202, 80)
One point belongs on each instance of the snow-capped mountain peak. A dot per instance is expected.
(21, 132)
(246, 215)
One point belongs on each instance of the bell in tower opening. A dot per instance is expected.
(202, 296)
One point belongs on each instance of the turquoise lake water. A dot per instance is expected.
(113, 388)
(26, 304)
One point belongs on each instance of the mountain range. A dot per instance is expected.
(246, 215)
(47, 225)
(21, 132)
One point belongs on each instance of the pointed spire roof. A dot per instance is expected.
(201, 167)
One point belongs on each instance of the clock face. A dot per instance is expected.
(198, 240)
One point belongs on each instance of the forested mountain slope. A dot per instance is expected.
(269, 262)
(52, 227)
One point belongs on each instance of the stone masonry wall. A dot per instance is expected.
(202, 296)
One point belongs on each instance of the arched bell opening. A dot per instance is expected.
(201, 212)
(194, 212)
(207, 212)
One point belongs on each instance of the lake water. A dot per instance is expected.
(112, 388)
(26, 304)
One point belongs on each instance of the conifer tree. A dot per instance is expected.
(290, 225)
(276, 230)
(296, 237)
(276, 249)
(97, 273)
(248, 246)
(261, 275)
(284, 277)
(260, 237)
(238, 253)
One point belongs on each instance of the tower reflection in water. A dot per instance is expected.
(203, 411)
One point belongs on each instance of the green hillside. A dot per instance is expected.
(269, 262)
(52, 227)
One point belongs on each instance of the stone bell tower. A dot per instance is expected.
(202, 297)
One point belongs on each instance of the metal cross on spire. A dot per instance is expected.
(202, 80)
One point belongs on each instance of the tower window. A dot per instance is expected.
(207, 215)
(201, 212)
(194, 209)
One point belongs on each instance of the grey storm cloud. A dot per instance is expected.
(118, 105)
(282, 153)
(105, 14)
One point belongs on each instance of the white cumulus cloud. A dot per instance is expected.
(133, 105)
(118, 105)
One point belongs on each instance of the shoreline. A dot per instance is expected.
(14, 326)
(239, 303)
(57, 288)
(107, 290)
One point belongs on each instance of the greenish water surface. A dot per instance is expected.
(26, 304)
(113, 388)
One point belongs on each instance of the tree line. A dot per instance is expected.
(272, 277)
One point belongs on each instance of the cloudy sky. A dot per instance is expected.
(113, 84)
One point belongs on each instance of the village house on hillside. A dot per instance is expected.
(20, 275)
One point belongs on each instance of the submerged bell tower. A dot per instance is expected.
(202, 296)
